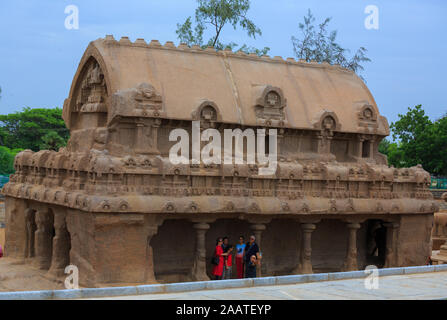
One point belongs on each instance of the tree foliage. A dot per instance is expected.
(418, 141)
(52, 141)
(318, 44)
(393, 152)
(7, 160)
(33, 129)
(216, 14)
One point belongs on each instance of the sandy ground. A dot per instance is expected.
(16, 276)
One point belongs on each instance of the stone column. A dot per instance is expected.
(140, 140)
(43, 240)
(351, 255)
(360, 140)
(391, 244)
(371, 148)
(257, 229)
(61, 246)
(150, 272)
(199, 268)
(154, 133)
(30, 225)
(305, 265)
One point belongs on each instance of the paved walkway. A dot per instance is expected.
(431, 285)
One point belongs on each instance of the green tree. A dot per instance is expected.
(418, 140)
(3, 135)
(393, 152)
(411, 130)
(7, 160)
(52, 141)
(318, 44)
(434, 155)
(26, 129)
(217, 14)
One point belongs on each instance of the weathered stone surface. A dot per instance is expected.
(112, 204)
(439, 230)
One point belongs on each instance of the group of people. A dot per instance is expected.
(248, 257)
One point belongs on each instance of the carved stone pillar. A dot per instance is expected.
(199, 268)
(140, 138)
(351, 255)
(360, 140)
(154, 133)
(257, 229)
(61, 246)
(150, 272)
(305, 265)
(30, 225)
(43, 239)
(322, 143)
(371, 148)
(391, 244)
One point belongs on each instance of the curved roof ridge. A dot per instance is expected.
(234, 81)
(170, 45)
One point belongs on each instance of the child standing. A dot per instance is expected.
(228, 263)
(250, 270)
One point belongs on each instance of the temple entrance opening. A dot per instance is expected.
(376, 242)
(173, 251)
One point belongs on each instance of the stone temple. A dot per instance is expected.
(114, 205)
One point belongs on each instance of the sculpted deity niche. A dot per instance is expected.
(329, 123)
(208, 114)
(91, 98)
(148, 99)
(270, 106)
(273, 99)
(367, 114)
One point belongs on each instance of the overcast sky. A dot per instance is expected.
(39, 56)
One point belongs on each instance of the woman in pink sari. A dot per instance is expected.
(1, 251)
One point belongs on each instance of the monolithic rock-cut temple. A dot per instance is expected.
(114, 205)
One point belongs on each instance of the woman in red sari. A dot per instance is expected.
(218, 268)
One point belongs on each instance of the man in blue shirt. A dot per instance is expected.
(251, 249)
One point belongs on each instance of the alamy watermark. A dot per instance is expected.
(256, 152)
(72, 280)
(72, 20)
(372, 280)
(372, 20)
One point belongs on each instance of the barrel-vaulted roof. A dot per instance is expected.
(184, 77)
